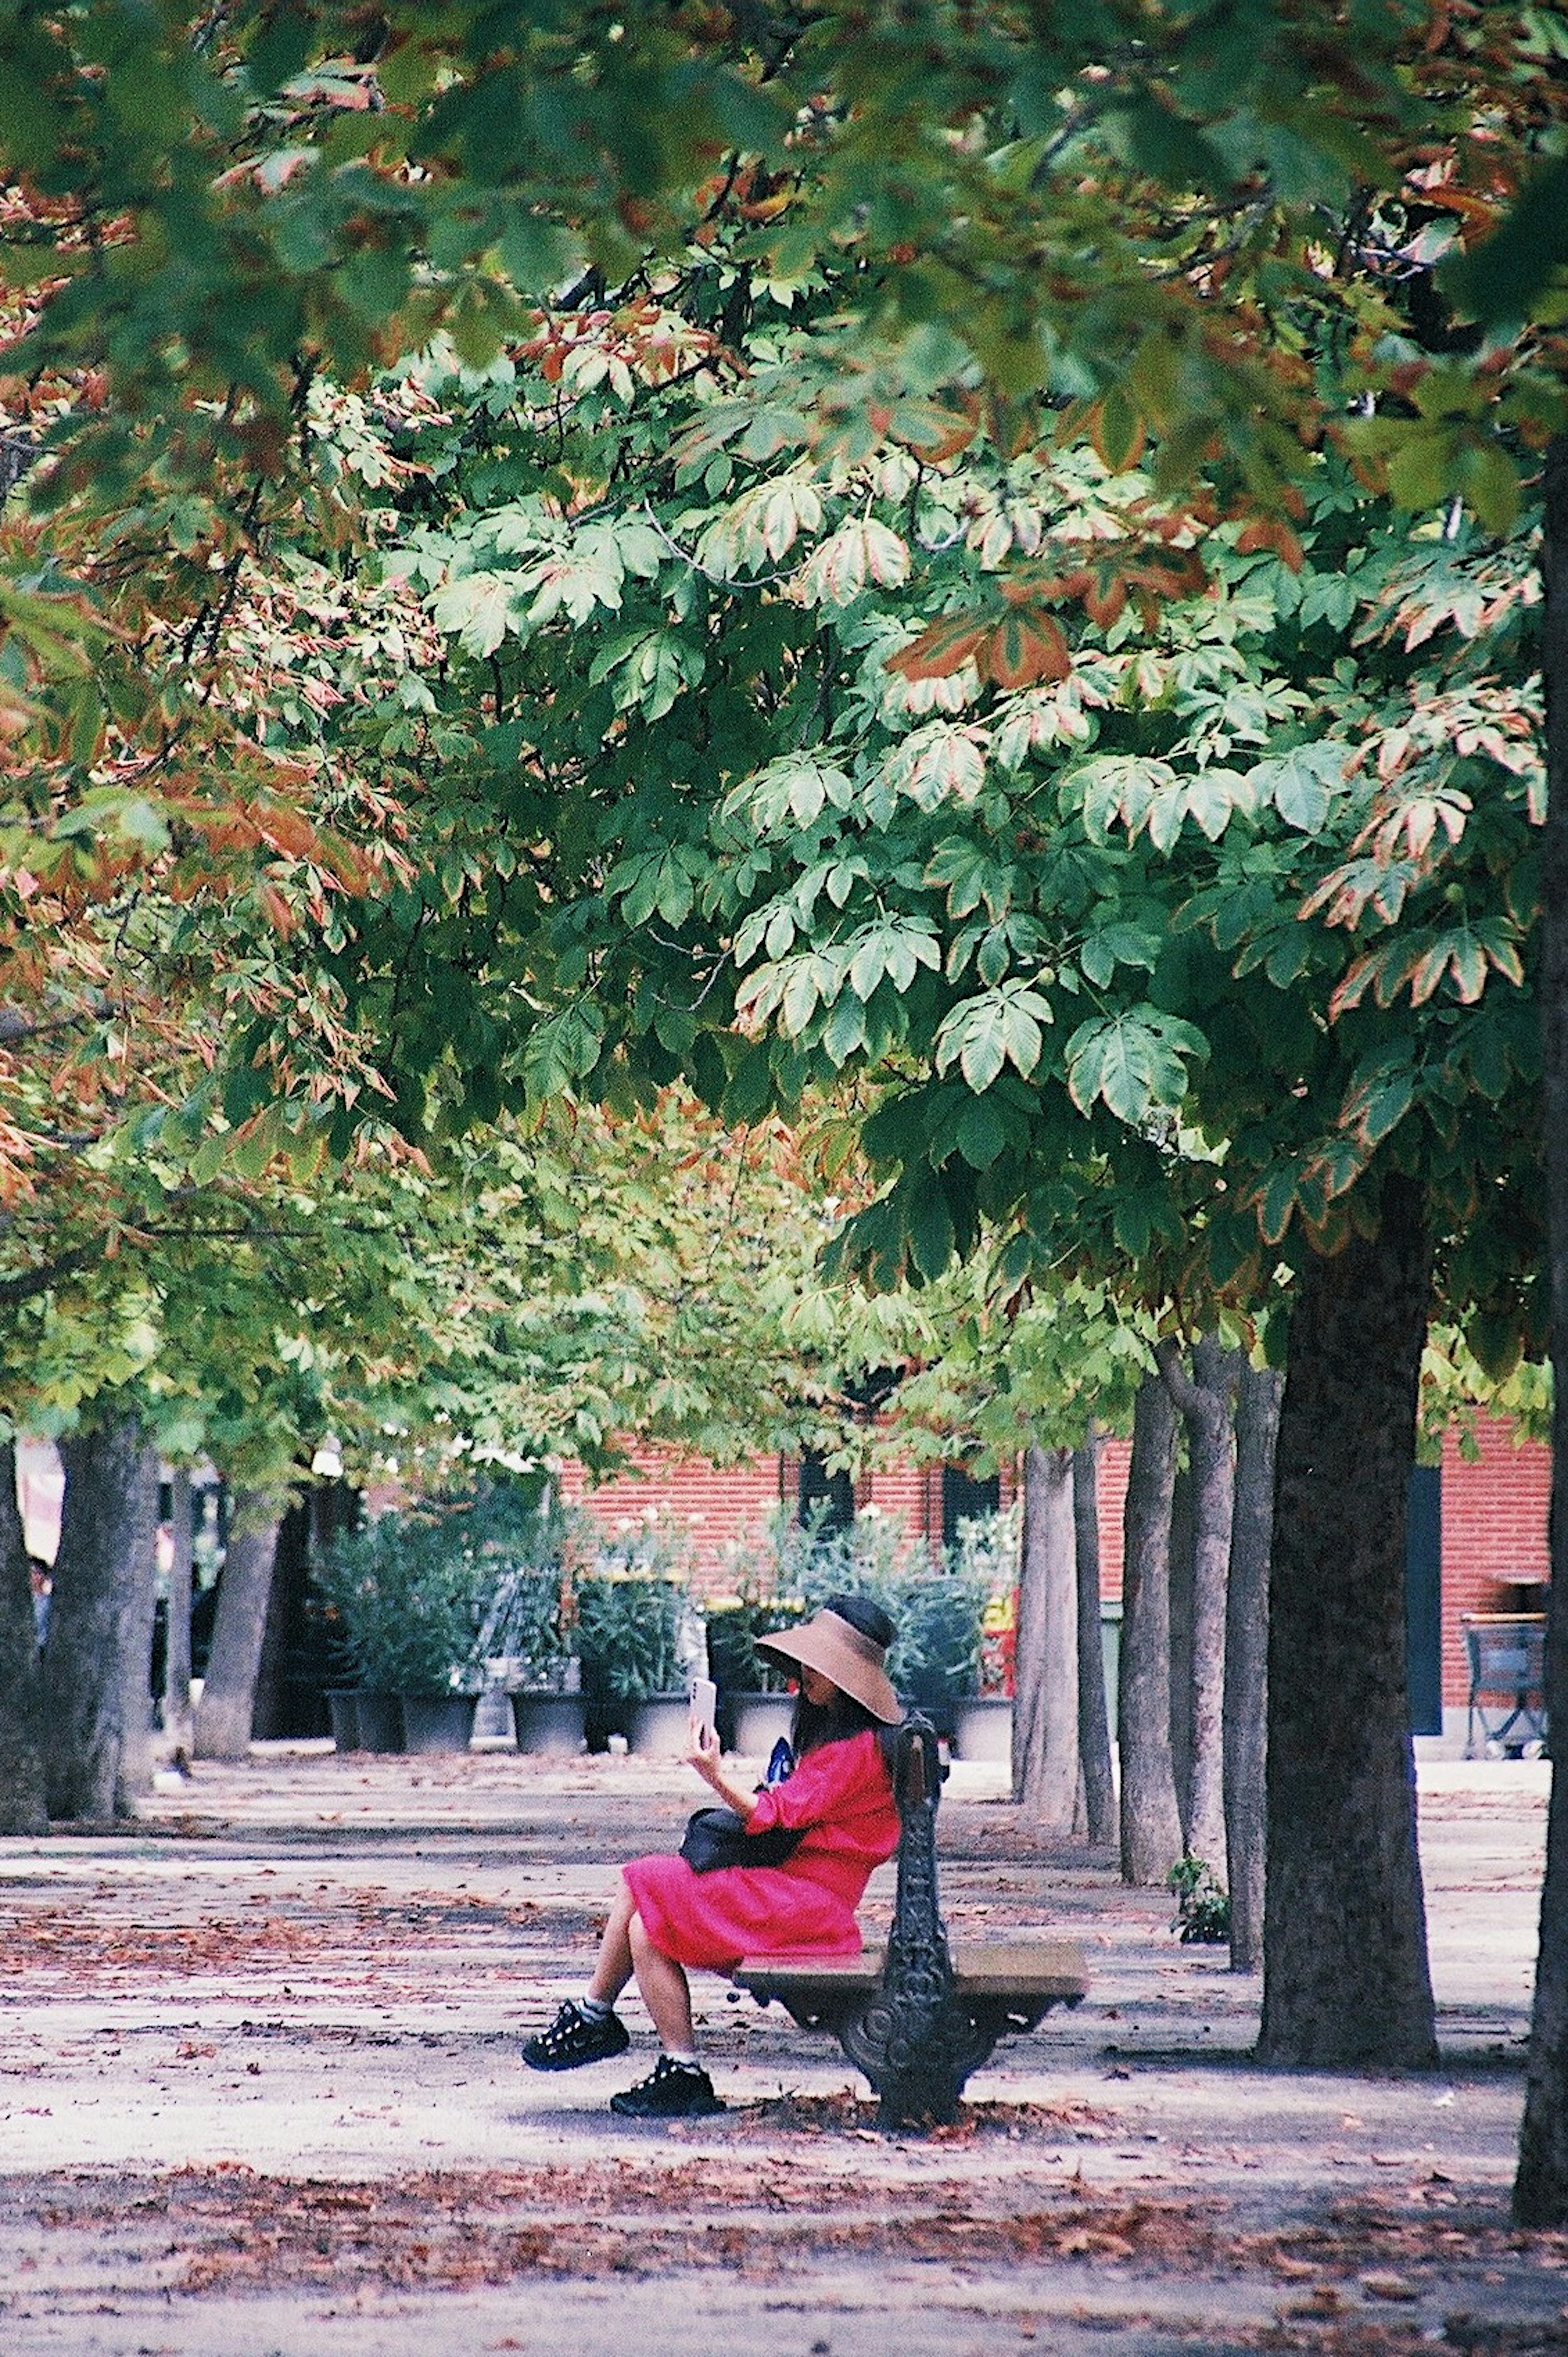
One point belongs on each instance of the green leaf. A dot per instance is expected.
(982, 1133)
(1133, 1064)
(930, 1230)
(1300, 784)
(476, 608)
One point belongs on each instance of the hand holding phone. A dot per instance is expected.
(705, 1704)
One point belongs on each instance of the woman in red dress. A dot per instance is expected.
(838, 1801)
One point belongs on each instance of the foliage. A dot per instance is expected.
(1203, 1905)
(530, 1544)
(639, 1630)
(920, 620)
(630, 1627)
(937, 1606)
(412, 1601)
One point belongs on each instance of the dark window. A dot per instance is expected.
(1423, 1600)
(963, 1497)
(824, 1498)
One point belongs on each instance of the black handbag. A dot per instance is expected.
(716, 1838)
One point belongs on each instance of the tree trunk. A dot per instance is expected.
(1346, 1984)
(1203, 1400)
(1247, 1659)
(21, 1749)
(1093, 1720)
(1045, 1708)
(97, 1706)
(1151, 1828)
(228, 1690)
(177, 1657)
(1541, 2188)
(1179, 1573)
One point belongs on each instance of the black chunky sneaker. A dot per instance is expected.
(573, 2038)
(676, 2091)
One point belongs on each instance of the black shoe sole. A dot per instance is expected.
(707, 2110)
(575, 2062)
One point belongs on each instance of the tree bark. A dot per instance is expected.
(1346, 1983)
(97, 1706)
(1541, 2187)
(21, 1746)
(1178, 1585)
(1247, 1658)
(228, 1690)
(1151, 1827)
(177, 1658)
(1203, 1400)
(1093, 1719)
(1045, 1708)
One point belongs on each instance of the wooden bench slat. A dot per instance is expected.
(1024, 1968)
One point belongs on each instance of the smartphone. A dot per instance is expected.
(704, 1703)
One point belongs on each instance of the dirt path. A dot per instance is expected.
(259, 2094)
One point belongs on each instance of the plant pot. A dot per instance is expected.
(550, 1723)
(343, 1702)
(757, 1722)
(982, 1728)
(660, 1726)
(438, 1722)
(380, 1720)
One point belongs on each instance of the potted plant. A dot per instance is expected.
(528, 1641)
(757, 1696)
(936, 1607)
(639, 1635)
(411, 1597)
(935, 1661)
(535, 1637)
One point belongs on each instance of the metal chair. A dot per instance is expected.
(1507, 1682)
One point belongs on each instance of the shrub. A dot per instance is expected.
(412, 1602)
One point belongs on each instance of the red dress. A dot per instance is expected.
(841, 1795)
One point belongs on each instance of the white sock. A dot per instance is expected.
(683, 2061)
(593, 2008)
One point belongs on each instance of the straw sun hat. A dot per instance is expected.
(846, 1640)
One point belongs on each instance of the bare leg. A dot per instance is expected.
(665, 1992)
(614, 1968)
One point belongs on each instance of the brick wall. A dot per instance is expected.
(720, 1506)
(1494, 1530)
(717, 1506)
(1494, 1534)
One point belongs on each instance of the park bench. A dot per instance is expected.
(917, 2016)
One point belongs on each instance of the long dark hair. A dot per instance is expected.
(816, 1723)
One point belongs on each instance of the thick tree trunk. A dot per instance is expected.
(1095, 1774)
(21, 1749)
(177, 1658)
(228, 1690)
(1541, 2188)
(1045, 1708)
(1247, 1659)
(1179, 1574)
(1203, 1400)
(1151, 1828)
(1346, 1984)
(97, 1706)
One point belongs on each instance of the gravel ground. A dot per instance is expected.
(259, 2095)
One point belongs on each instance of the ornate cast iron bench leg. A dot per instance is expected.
(914, 2040)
